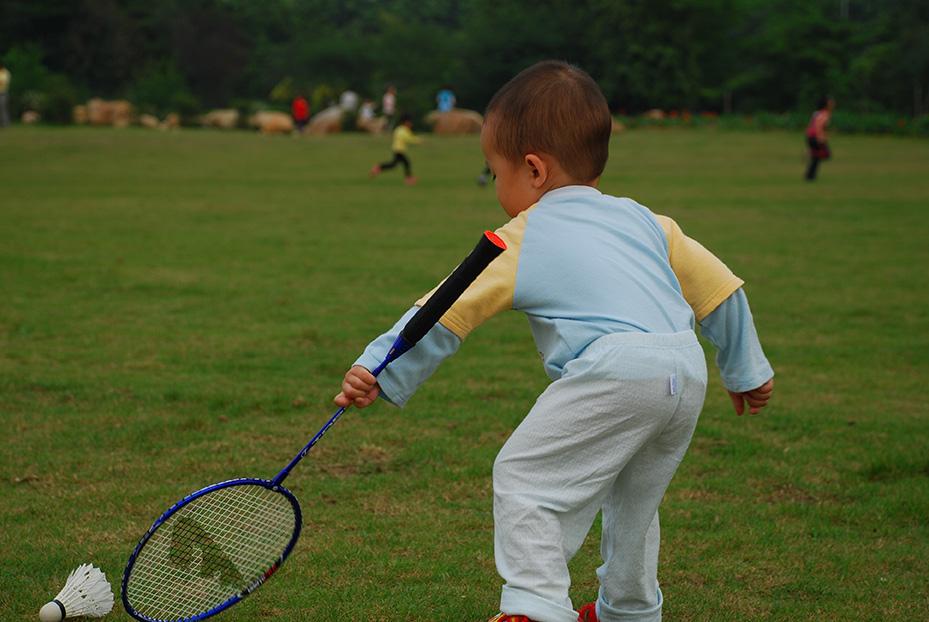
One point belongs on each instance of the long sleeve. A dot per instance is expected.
(730, 328)
(489, 294)
(400, 380)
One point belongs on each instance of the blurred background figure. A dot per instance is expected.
(445, 99)
(348, 101)
(4, 90)
(816, 135)
(485, 176)
(389, 105)
(300, 111)
(367, 120)
(366, 112)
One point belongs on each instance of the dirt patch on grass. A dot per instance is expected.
(367, 459)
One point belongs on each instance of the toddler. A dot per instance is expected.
(612, 293)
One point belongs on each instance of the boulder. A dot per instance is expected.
(372, 125)
(172, 121)
(269, 122)
(122, 117)
(456, 121)
(98, 112)
(122, 113)
(654, 114)
(227, 118)
(148, 120)
(117, 113)
(30, 117)
(328, 121)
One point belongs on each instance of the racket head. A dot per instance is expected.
(210, 550)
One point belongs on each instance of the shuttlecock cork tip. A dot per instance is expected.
(52, 612)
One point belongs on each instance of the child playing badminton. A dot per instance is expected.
(612, 293)
(403, 136)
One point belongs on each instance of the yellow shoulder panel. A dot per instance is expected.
(492, 291)
(705, 280)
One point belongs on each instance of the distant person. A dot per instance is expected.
(348, 101)
(5, 78)
(389, 105)
(300, 111)
(366, 112)
(816, 135)
(367, 120)
(403, 137)
(613, 293)
(485, 177)
(445, 100)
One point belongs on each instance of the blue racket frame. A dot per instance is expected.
(399, 347)
(243, 481)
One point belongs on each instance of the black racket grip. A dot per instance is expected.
(454, 286)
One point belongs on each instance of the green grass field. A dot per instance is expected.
(179, 308)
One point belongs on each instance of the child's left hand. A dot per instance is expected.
(756, 398)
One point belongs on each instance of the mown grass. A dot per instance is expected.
(178, 309)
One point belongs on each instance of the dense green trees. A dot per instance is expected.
(720, 55)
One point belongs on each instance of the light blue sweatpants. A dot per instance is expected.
(606, 436)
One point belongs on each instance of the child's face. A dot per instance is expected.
(516, 191)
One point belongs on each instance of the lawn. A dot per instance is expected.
(179, 308)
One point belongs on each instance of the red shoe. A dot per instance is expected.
(587, 613)
(375, 170)
(410, 181)
(502, 617)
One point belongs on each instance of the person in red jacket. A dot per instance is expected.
(300, 111)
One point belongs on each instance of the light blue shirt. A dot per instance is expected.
(589, 265)
(741, 360)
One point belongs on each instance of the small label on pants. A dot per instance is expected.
(672, 384)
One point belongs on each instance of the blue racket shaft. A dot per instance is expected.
(488, 248)
(401, 346)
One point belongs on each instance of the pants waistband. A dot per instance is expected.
(681, 339)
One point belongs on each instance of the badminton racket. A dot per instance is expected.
(219, 544)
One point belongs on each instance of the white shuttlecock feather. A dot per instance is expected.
(86, 593)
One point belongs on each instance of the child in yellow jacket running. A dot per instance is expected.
(403, 136)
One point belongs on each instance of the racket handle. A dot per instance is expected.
(487, 249)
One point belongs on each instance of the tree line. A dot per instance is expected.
(721, 56)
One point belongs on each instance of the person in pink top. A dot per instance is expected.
(816, 135)
(389, 105)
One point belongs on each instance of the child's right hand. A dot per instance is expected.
(359, 387)
(756, 398)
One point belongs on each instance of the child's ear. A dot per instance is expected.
(538, 170)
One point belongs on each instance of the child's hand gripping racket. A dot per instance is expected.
(215, 546)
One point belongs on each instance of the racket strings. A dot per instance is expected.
(209, 551)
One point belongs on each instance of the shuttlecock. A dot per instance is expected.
(86, 593)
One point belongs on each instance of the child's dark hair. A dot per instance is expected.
(823, 102)
(406, 116)
(555, 108)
